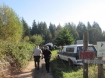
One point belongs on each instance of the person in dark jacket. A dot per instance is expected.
(47, 56)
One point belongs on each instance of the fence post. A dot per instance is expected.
(100, 69)
(85, 45)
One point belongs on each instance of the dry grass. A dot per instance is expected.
(4, 69)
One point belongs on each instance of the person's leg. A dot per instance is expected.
(48, 64)
(47, 67)
(35, 61)
(38, 61)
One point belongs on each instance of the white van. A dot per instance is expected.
(70, 53)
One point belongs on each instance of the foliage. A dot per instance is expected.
(72, 29)
(58, 29)
(18, 54)
(81, 28)
(41, 29)
(34, 29)
(64, 37)
(44, 32)
(26, 38)
(51, 34)
(36, 39)
(26, 28)
(10, 24)
(52, 29)
(93, 31)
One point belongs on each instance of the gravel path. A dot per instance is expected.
(31, 72)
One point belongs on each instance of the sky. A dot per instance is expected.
(59, 11)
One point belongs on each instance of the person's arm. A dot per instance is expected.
(40, 52)
(50, 53)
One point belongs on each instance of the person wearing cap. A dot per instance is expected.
(37, 52)
(47, 56)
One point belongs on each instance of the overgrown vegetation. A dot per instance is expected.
(61, 69)
(36, 39)
(17, 54)
(10, 25)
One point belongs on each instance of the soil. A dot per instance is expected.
(31, 72)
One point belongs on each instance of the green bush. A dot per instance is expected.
(17, 53)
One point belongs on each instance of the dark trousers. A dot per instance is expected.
(47, 64)
(37, 60)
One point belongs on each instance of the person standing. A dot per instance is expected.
(47, 56)
(37, 52)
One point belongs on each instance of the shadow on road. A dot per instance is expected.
(41, 73)
(38, 73)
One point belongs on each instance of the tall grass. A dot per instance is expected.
(61, 69)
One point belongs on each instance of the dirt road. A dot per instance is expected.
(31, 72)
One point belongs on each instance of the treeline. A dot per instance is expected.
(50, 33)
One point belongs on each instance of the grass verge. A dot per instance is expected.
(61, 69)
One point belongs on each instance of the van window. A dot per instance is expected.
(69, 49)
(90, 48)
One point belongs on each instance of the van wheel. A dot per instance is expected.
(70, 63)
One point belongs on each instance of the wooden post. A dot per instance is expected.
(100, 69)
(85, 45)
